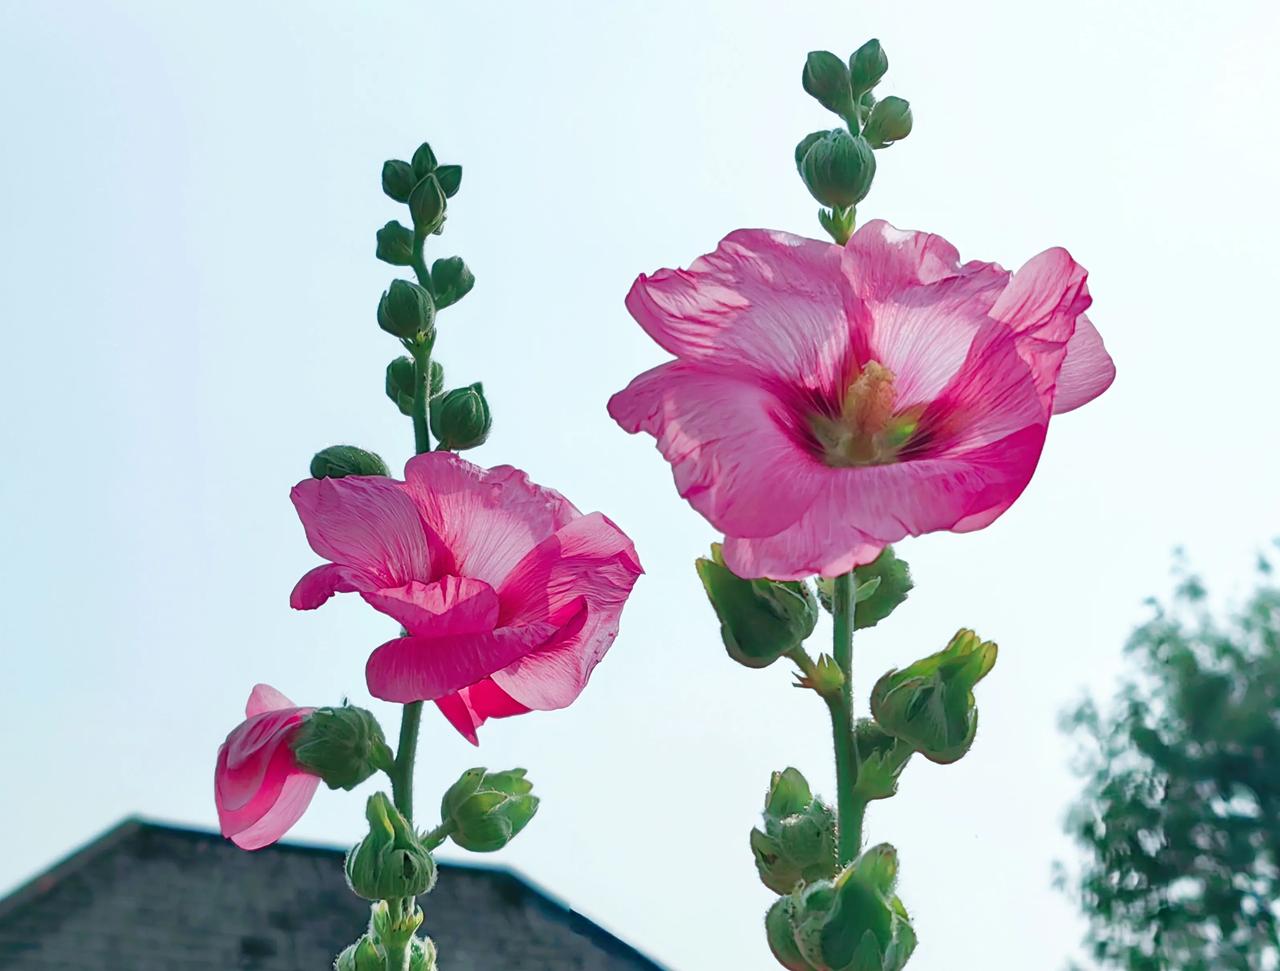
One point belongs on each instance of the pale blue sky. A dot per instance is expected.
(188, 196)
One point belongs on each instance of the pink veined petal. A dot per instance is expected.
(1042, 304)
(252, 752)
(451, 605)
(426, 668)
(589, 558)
(474, 705)
(765, 302)
(1087, 369)
(804, 549)
(734, 445)
(487, 518)
(365, 522)
(265, 698)
(295, 797)
(881, 260)
(319, 584)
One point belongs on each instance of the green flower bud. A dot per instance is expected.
(867, 65)
(838, 169)
(451, 280)
(460, 418)
(881, 759)
(400, 378)
(363, 955)
(422, 954)
(827, 79)
(851, 923)
(930, 704)
(890, 122)
(391, 861)
(798, 842)
(407, 311)
(391, 932)
(395, 244)
(424, 162)
(760, 620)
(427, 206)
(806, 143)
(398, 179)
(484, 810)
(450, 177)
(339, 461)
(881, 586)
(343, 746)
(780, 931)
(827, 678)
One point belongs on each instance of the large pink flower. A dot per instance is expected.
(258, 786)
(826, 401)
(508, 595)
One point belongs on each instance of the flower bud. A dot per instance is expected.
(395, 244)
(827, 79)
(406, 311)
(881, 759)
(760, 620)
(400, 382)
(930, 704)
(880, 587)
(427, 205)
(460, 418)
(343, 746)
(890, 122)
(798, 842)
(851, 923)
(485, 810)
(363, 955)
(339, 461)
(450, 177)
(391, 861)
(398, 179)
(423, 162)
(451, 280)
(867, 65)
(390, 931)
(422, 954)
(838, 169)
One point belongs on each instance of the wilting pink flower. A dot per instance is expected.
(508, 595)
(258, 786)
(826, 401)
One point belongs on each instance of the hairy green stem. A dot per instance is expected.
(850, 808)
(402, 776)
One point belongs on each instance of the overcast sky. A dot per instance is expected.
(188, 196)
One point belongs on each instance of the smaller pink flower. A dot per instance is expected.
(259, 788)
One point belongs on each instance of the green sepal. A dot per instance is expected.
(344, 746)
(395, 244)
(779, 928)
(760, 620)
(390, 861)
(890, 122)
(450, 177)
(398, 179)
(798, 841)
(881, 759)
(930, 704)
(880, 587)
(451, 280)
(339, 461)
(363, 955)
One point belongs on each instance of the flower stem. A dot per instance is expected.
(402, 776)
(850, 809)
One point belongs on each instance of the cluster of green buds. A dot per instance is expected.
(483, 811)
(391, 941)
(838, 166)
(853, 922)
(798, 842)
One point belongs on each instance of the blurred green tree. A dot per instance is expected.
(1179, 819)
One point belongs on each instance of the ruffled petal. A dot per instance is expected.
(487, 519)
(727, 440)
(367, 523)
(1087, 369)
(321, 583)
(881, 260)
(264, 698)
(765, 302)
(294, 798)
(426, 668)
(451, 605)
(475, 704)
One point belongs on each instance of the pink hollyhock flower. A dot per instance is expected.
(508, 595)
(827, 401)
(258, 786)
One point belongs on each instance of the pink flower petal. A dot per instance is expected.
(1087, 370)
(426, 668)
(264, 698)
(295, 796)
(765, 302)
(726, 437)
(475, 704)
(589, 559)
(451, 605)
(487, 518)
(880, 260)
(367, 523)
(321, 583)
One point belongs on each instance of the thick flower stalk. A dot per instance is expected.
(505, 595)
(828, 399)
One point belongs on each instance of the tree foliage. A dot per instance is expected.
(1179, 819)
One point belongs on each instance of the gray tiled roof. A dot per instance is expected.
(147, 897)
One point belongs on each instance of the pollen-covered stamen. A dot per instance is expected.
(867, 431)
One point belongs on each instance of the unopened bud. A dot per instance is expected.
(390, 861)
(484, 810)
(867, 65)
(838, 169)
(339, 461)
(427, 205)
(363, 955)
(395, 244)
(798, 842)
(890, 122)
(406, 311)
(827, 79)
(398, 179)
(343, 746)
(451, 280)
(424, 161)
(450, 177)
(460, 419)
